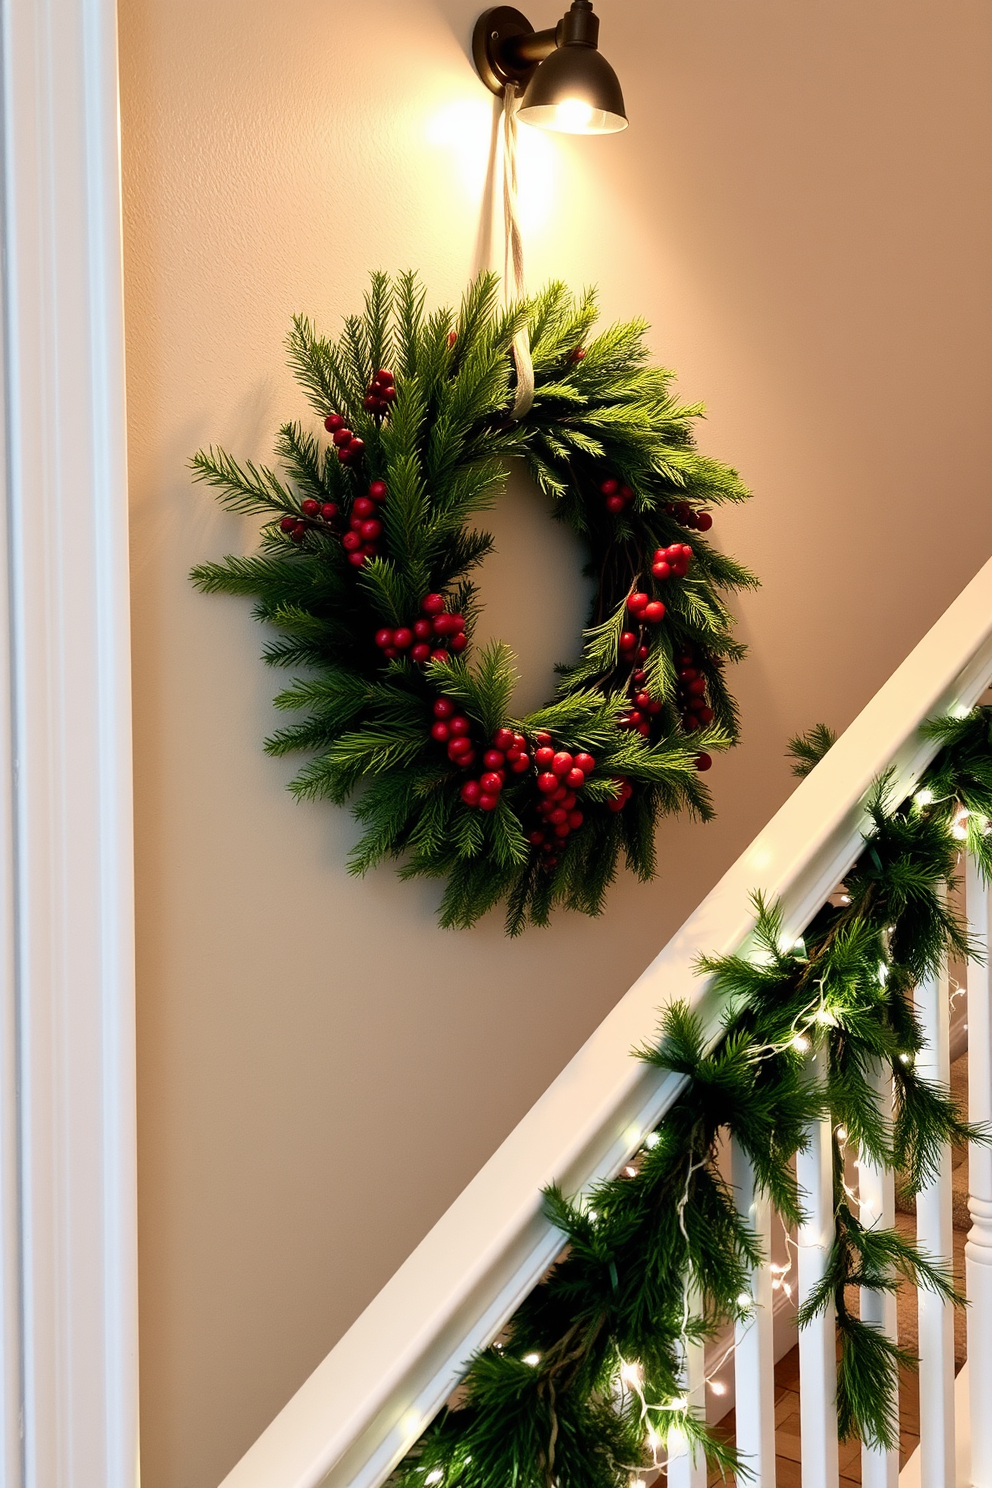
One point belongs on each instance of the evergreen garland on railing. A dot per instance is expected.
(584, 1389)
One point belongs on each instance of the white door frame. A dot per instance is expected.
(68, 1310)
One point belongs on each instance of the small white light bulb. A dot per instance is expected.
(435, 1476)
(924, 797)
(801, 1042)
(745, 1301)
(652, 1139)
(532, 1359)
(718, 1387)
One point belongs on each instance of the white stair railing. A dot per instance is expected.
(978, 1249)
(369, 1400)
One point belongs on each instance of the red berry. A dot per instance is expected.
(654, 612)
(557, 816)
(390, 653)
(690, 723)
(637, 602)
(488, 802)
(610, 487)
(644, 729)
(369, 550)
(329, 510)
(432, 604)
(440, 731)
(342, 436)
(642, 699)
(492, 782)
(310, 508)
(577, 355)
(447, 624)
(542, 736)
(562, 830)
(680, 568)
(536, 838)
(403, 638)
(372, 404)
(706, 715)
(420, 653)
(444, 708)
(575, 820)
(377, 490)
(458, 642)
(388, 395)
(547, 783)
(568, 800)
(452, 338)
(504, 739)
(562, 762)
(696, 687)
(355, 523)
(628, 641)
(384, 638)
(543, 756)
(704, 522)
(661, 570)
(423, 630)
(654, 708)
(703, 761)
(460, 724)
(642, 653)
(440, 655)
(459, 745)
(585, 763)
(494, 759)
(385, 378)
(518, 766)
(333, 422)
(576, 779)
(634, 717)
(287, 524)
(299, 532)
(470, 792)
(626, 493)
(614, 504)
(363, 507)
(356, 559)
(351, 542)
(371, 530)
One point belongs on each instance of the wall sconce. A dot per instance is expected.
(567, 83)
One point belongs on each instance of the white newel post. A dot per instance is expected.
(934, 1233)
(978, 1250)
(877, 1208)
(754, 1360)
(817, 1342)
(68, 1272)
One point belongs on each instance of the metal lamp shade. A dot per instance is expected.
(575, 91)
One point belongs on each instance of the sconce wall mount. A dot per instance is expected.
(567, 83)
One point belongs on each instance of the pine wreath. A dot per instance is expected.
(364, 574)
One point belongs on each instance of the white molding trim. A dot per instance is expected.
(68, 1310)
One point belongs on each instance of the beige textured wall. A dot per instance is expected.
(800, 207)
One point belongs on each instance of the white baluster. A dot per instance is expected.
(978, 1250)
(817, 1342)
(687, 1468)
(934, 1235)
(877, 1208)
(754, 1361)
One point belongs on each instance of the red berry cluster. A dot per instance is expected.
(692, 694)
(683, 513)
(626, 791)
(560, 775)
(364, 526)
(421, 638)
(617, 496)
(509, 752)
(645, 708)
(381, 393)
(455, 730)
(314, 515)
(347, 444)
(629, 648)
(671, 562)
(645, 610)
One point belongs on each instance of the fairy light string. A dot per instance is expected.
(592, 1367)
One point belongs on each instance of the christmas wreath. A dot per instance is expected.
(364, 575)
